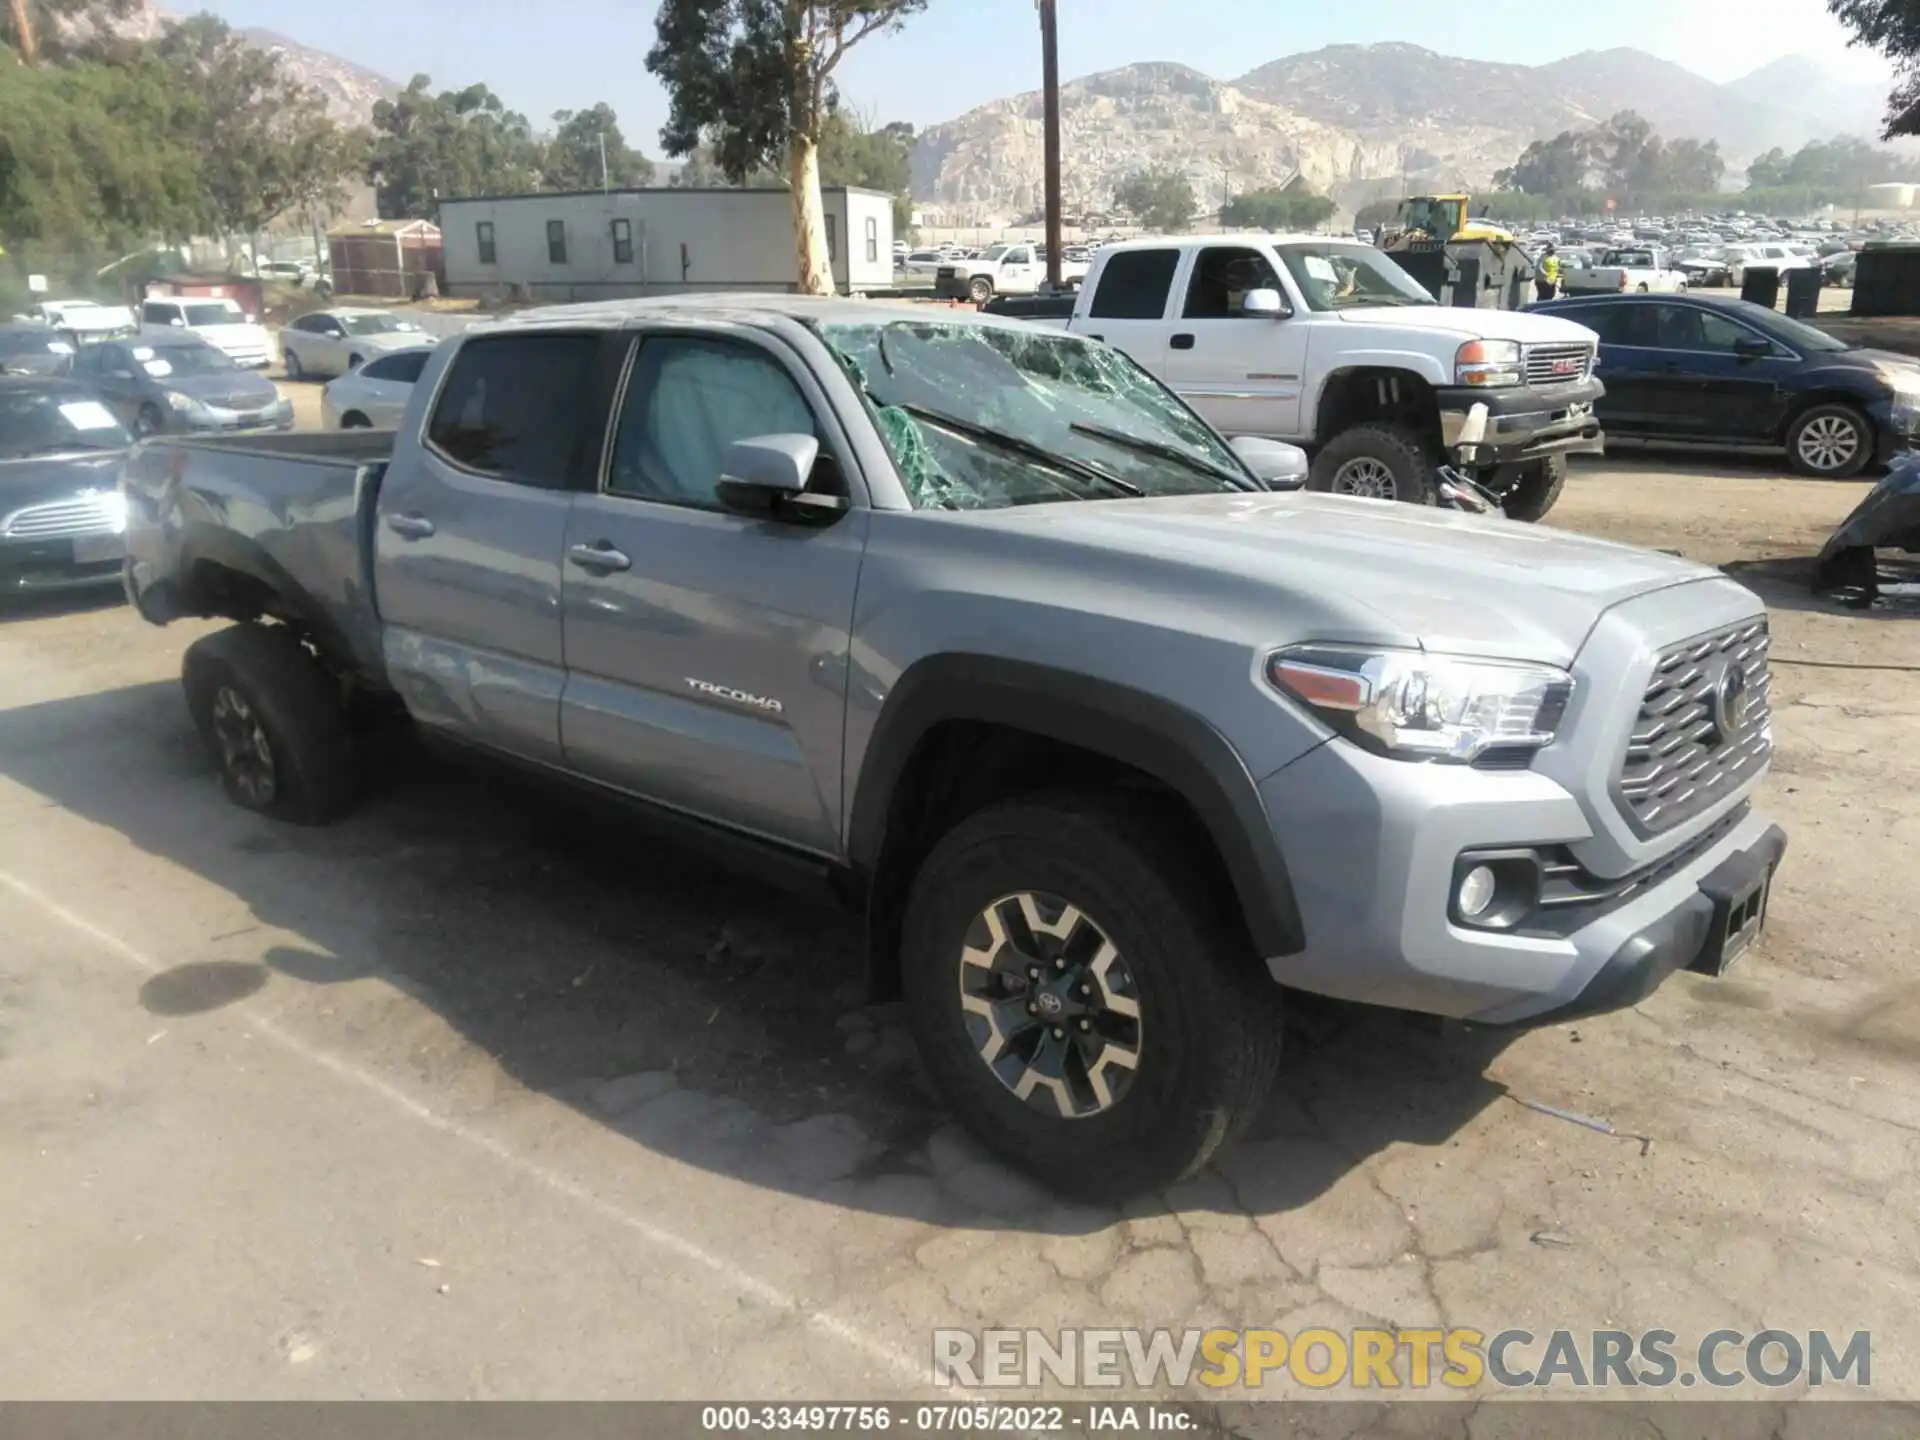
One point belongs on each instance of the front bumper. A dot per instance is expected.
(1375, 881)
(1896, 429)
(60, 564)
(209, 420)
(1526, 424)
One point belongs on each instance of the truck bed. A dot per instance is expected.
(291, 511)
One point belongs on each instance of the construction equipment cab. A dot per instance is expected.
(1330, 344)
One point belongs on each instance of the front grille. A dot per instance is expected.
(1572, 897)
(1703, 727)
(62, 519)
(1558, 364)
(240, 402)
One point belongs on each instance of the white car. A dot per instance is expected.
(1773, 253)
(84, 321)
(221, 323)
(923, 262)
(374, 395)
(334, 342)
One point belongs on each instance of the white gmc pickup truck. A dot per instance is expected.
(1329, 344)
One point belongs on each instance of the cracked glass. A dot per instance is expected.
(984, 416)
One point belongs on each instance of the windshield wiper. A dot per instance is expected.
(1015, 444)
(1163, 450)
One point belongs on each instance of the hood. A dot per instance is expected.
(229, 389)
(1470, 324)
(40, 478)
(1378, 571)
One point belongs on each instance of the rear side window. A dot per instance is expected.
(1135, 285)
(404, 368)
(516, 407)
(1627, 324)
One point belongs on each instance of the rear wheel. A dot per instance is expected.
(1376, 462)
(1831, 441)
(1532, 489)
(1084, 997)
(273, 721)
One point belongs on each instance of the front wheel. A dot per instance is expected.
(1533, 488)
(1082, 996)
(1830, 441)
(149, 422)
(294, 371)
(1375, 462)
(980, 289)
(273, 721)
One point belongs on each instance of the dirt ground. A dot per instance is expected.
(477, 1094)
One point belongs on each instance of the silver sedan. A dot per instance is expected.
(374, 396)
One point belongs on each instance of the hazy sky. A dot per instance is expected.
(568, 54)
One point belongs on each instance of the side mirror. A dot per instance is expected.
(1263, 302)
(1274, 463)
(1752, 348)
(767, 476)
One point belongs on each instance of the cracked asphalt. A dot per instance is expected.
(481, 1095)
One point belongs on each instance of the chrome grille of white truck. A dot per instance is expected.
(1703, 728)
(1558, 364)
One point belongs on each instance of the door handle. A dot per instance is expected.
(410, 526)
(1181, 342)
(599, 557)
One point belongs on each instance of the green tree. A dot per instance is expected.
(1893, 28)
(265, 143)
(698, 172)
(1768, 170)
(1290, 207)
(429, 147)
(1551, 167)
(1161, 200)
(853, 153)
(753, 81)
(574, 153)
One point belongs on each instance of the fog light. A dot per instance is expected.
(1477, 889)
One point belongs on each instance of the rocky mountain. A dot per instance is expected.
(1356, 121)
(350, 90)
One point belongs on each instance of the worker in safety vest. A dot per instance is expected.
(1546, 281)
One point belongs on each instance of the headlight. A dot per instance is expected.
(113, 505)
(1487, 362)
(184, 403)
(1410, 705)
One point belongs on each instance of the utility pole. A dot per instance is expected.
(603, 162)
(1050, 87)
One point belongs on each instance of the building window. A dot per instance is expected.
(833, 240)
(873, 240)
(556, 242)
(483, 232)
(623, 242)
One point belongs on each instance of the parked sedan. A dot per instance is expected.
(161, 383)
(1726, 373)
(62, 517)
(29, 349)
(332, 342)
(374, 396)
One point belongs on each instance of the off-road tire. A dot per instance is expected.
(298, 708)
(980, 289)
(1799, 451)
(1209, 1038)
(1534, 487)
(1405, 454)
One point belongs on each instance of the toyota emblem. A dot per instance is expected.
(1727, 698)
(1048, 1003)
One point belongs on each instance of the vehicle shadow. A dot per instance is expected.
(591, 960)
(1786, 583)
(46, 604)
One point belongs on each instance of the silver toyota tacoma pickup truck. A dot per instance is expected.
(1113, 738)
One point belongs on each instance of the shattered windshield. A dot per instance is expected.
(1012, 396)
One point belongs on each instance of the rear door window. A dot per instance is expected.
(518, 407)
(1135, 285)
(404, 368)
